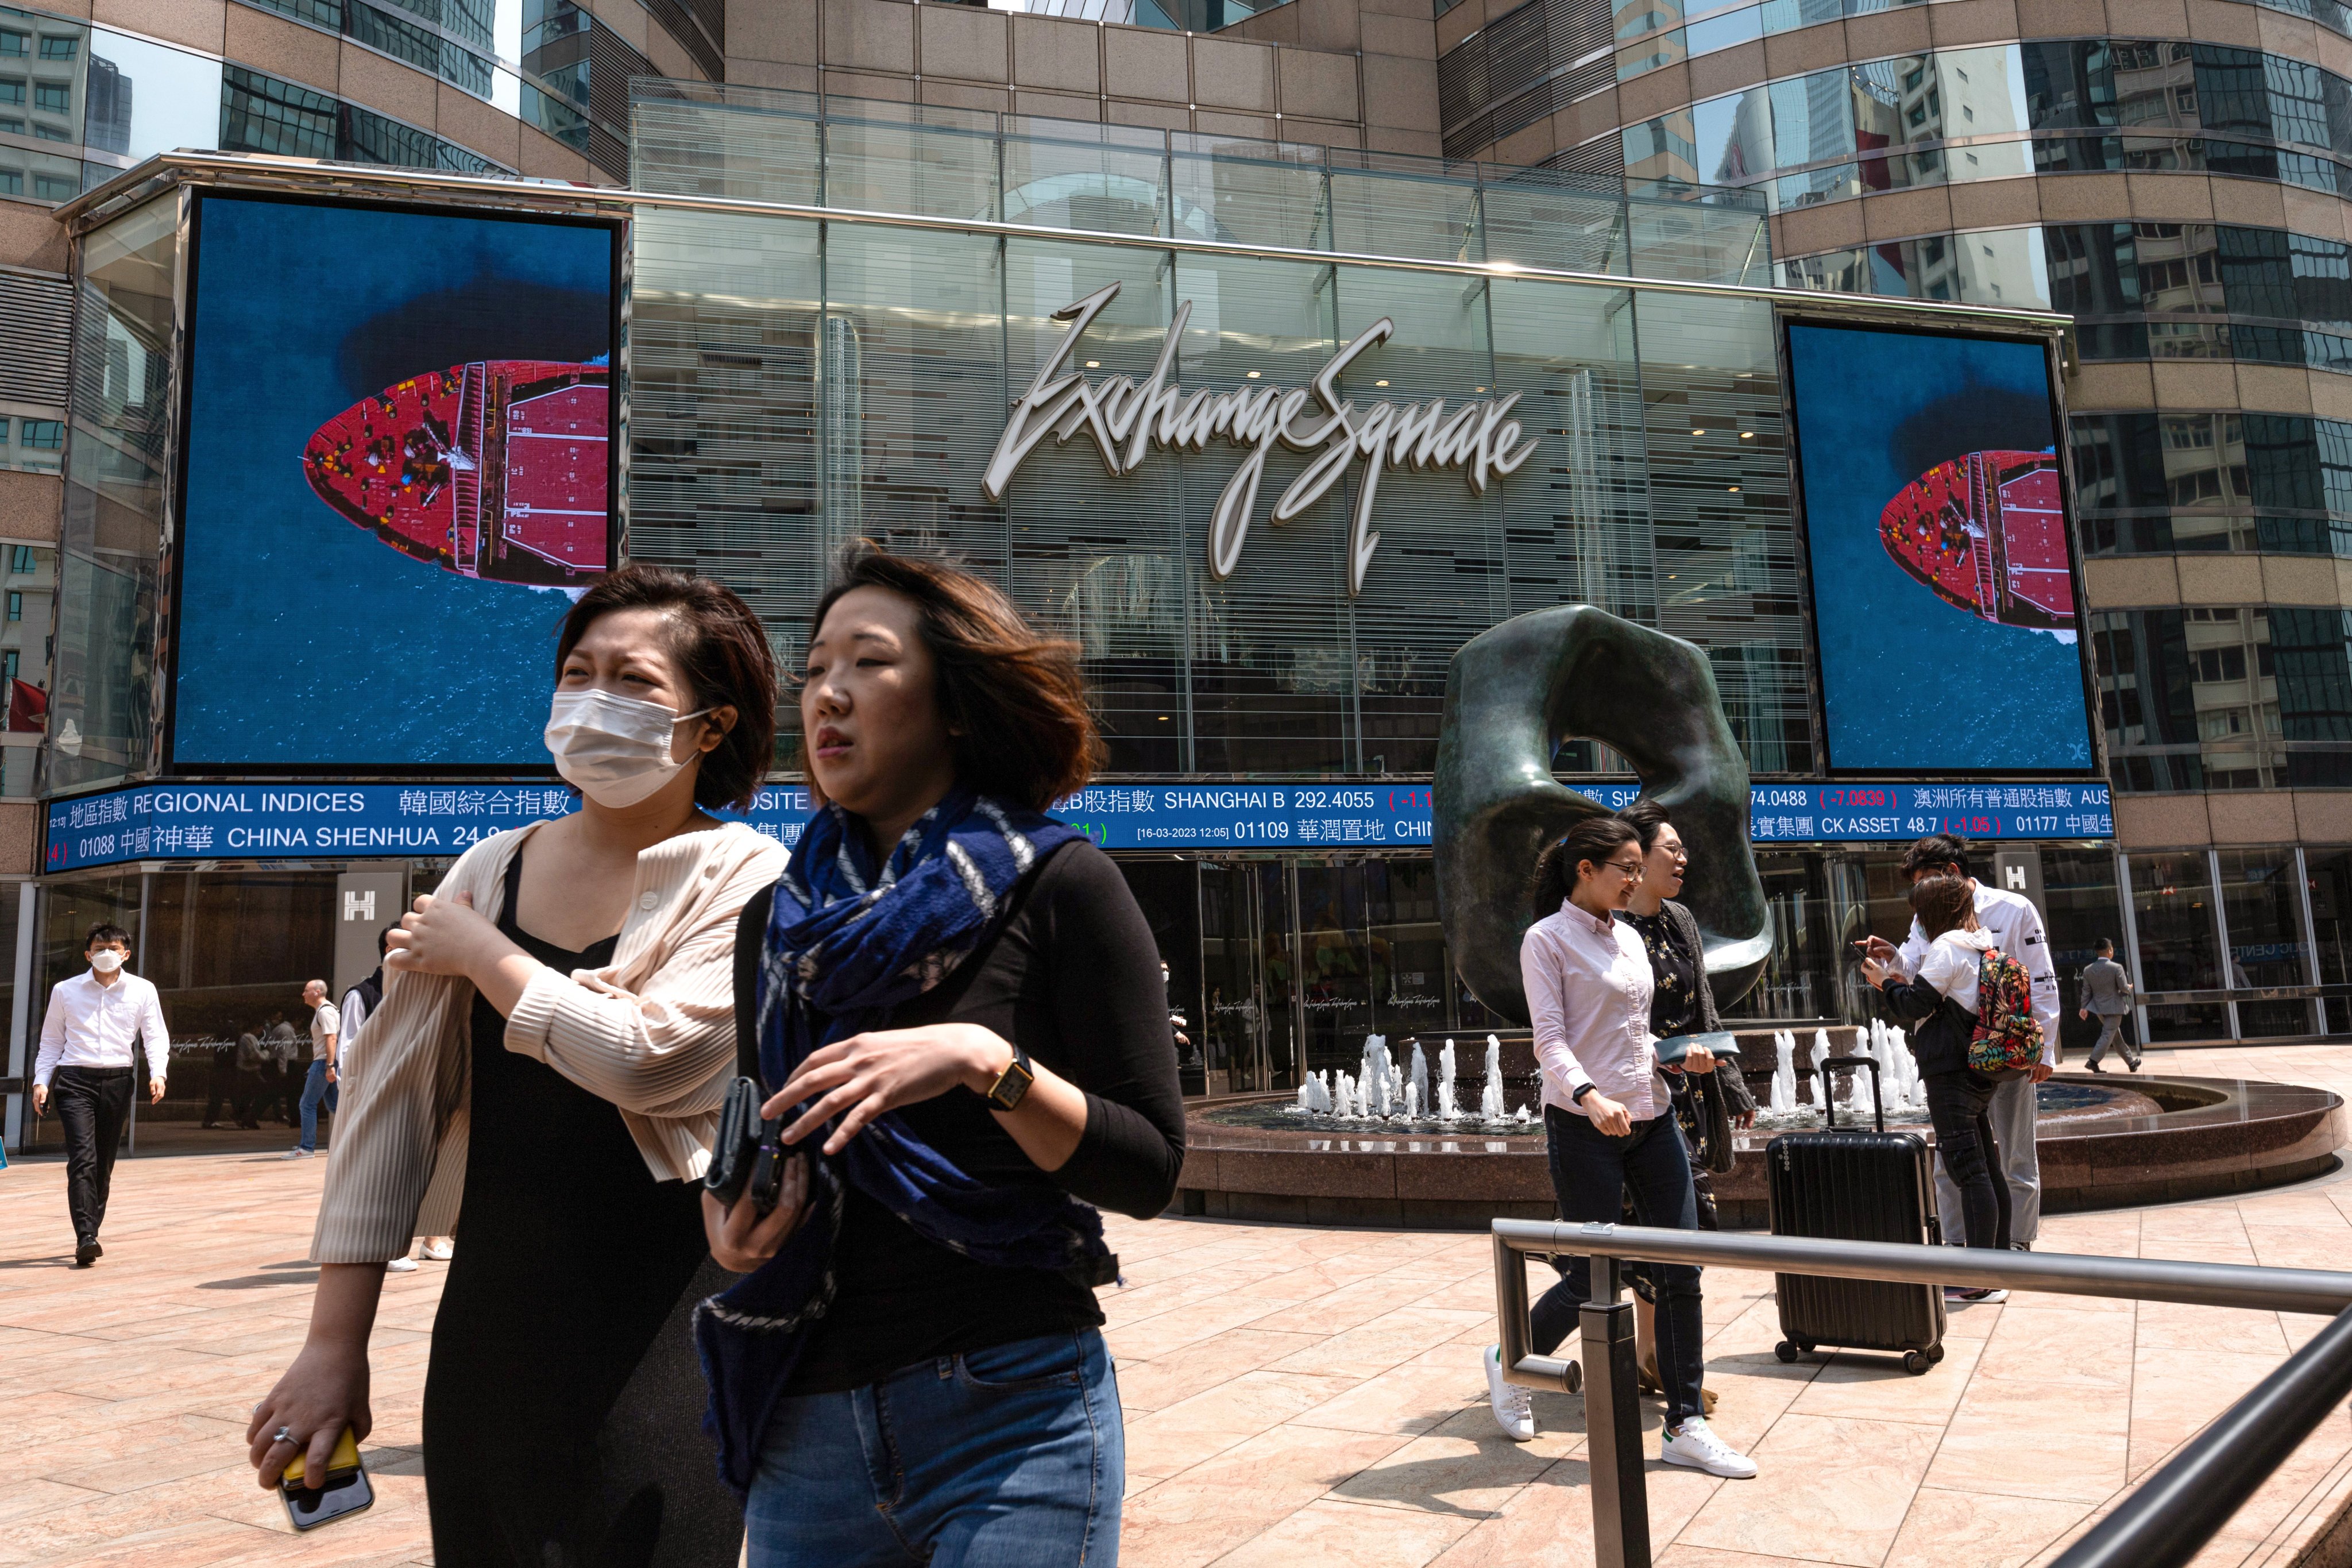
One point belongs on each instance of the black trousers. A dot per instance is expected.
(1956, 1104)
(93, 1107)
(224, 1087)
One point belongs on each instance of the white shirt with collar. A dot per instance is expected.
(2015, 926)
(1589, 985)
(92, 1026)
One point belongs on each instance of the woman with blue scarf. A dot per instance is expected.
(958, 1009)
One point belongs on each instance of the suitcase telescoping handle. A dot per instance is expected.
(1829, 1095)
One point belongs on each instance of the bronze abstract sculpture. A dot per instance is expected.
(1512, 695)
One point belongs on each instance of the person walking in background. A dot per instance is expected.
(221, 1086)
(1609, 1121)
(250, 1058)
(2106, 995)
(1708, 1106)
(358, 1002)
(969, 1058)
(85, 1063)
(552, 1050)
(279, 1046)
(2015, 927)
(319, 1088)
(1945, 994)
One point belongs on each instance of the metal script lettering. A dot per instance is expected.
(1125, 419)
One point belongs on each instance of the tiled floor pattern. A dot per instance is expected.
(1294, 1397)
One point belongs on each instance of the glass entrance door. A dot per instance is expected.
(1246, 976)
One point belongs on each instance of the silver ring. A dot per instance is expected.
(283, 1434)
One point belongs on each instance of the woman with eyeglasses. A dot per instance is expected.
(1707, 1105)
(1609, 1117)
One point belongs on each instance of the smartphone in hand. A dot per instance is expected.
(346, 1490)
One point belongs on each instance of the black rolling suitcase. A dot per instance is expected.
(1853, 1184)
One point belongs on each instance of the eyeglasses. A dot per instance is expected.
(1628, 868)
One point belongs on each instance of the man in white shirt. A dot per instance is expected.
(2015, 925)
(326, 1027)
(84, 1062)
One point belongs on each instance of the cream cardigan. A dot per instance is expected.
(653, 1032)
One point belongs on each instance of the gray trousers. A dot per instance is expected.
(2111, 1033)
(2011, 1115)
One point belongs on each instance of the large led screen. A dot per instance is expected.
(396, 478)
(1936, 520)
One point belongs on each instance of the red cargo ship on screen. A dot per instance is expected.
(1988, 534)
(493, 470)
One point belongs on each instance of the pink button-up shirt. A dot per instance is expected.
(1589, 985)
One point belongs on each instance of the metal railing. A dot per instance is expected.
(2163, 1523)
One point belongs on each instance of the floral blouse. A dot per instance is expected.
(1675, 1008)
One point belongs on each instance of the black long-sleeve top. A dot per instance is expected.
(1073, 977)
(1940, 1045)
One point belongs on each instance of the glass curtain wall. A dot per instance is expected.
(2329, 872)
(895, 349)
(2262, 903)
(2179, 946)
(2080, 908)
(103, 707)
(229, 950)
(1803, 977)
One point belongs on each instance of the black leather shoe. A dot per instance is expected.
(87, 1252)
(2096, 1069)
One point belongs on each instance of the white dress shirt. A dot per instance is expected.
(1588, 986)
(2015, 925)
(353, 1013)
(92, 1026)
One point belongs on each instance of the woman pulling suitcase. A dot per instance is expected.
(1608, 1119)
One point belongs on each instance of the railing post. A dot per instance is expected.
(1613, 1425)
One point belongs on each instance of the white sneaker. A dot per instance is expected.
(440, 1249)
(297, 1152)
(1514, 1406)
(401, 1266)
(1693, 1443)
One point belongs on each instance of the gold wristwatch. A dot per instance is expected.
(1013, 1084)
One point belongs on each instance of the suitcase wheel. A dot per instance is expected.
(1786, 1350)
(1916, 1362)
(1934, 1353)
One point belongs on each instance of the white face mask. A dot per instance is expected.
(106, 960)
(615, 749)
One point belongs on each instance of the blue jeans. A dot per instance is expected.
(316, 1089)
(1011, 1456)
(1591, 1175)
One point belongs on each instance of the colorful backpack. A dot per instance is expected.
(2008, 1037)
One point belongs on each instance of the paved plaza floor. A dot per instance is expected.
(1293, 1396)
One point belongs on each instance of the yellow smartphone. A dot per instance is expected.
(346, 1490)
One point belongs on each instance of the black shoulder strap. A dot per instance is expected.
(747, 1033)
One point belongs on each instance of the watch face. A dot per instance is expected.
(1012, 1086)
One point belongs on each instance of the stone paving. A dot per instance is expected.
(1293, 1396)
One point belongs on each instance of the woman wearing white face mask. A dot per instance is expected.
(552, 1048)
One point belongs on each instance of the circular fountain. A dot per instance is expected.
(1399, 1148)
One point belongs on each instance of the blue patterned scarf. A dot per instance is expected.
(847, 942)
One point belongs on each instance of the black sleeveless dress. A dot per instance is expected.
(562, 1400)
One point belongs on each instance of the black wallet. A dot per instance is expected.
(746, 1158)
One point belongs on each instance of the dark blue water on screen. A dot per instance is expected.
(302, 638)
(1909, 681)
